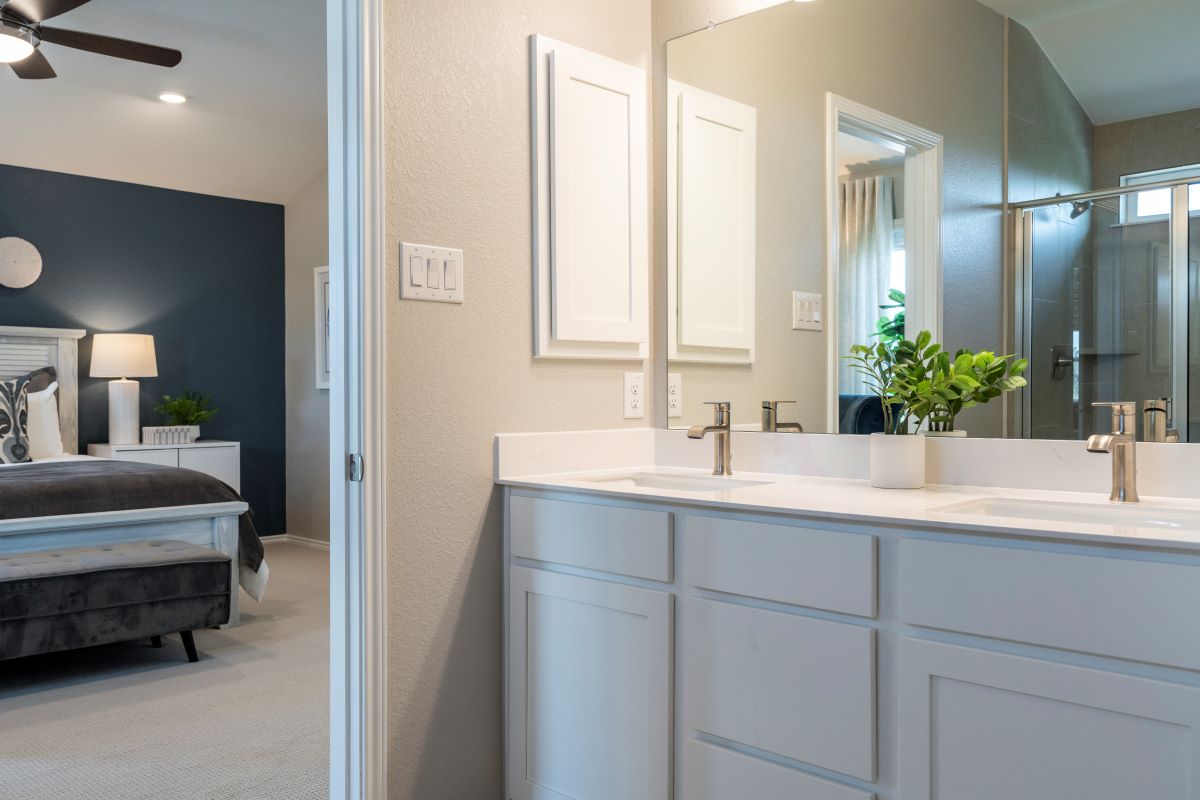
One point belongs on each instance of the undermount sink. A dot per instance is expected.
(1139, 515)
(670, 481)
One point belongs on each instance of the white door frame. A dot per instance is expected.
(357, 657)
(922, 226)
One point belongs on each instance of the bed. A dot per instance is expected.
(211, 524)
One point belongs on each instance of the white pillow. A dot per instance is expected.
(45, 438)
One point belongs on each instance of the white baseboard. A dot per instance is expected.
(291, 538)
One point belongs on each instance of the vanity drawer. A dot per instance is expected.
(783, 563)
(795, 686)
(714, 773)
(624, 541)
(1137, 610)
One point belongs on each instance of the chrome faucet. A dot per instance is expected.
(770, 418)
(722, 455)
(1122, 443)
(1155, 415)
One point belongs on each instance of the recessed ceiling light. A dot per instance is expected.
(16, 43)
(174, 98)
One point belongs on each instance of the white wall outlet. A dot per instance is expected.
(807, 312)
(674, 395)
(431, 273)
(635, 395)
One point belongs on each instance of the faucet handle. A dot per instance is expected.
(721, 411)
(1121, 410)
(774, 404)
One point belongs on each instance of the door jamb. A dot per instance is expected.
(358, 642)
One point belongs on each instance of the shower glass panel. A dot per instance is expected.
(1105, 316)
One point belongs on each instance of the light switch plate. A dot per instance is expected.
(808, 313)
(635, 389)
(431, 273)
(674, 395)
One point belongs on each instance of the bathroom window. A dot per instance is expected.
(1154, 205)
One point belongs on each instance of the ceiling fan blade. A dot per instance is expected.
(111, 46)
(41, 10)
(34, 67)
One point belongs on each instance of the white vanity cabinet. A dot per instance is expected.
(983, 724)
(589, 657)
(589, 688)
(662, 649)
(991, 726)
(654, 653)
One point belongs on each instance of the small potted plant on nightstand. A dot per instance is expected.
(184, 413)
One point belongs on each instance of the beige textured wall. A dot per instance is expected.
(868, 52)
(306, 247)
(458, 174)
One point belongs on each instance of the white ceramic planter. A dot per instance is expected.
(897, 462)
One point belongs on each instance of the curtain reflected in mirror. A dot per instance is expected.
(866, 221)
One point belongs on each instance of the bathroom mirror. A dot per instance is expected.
(832, 164)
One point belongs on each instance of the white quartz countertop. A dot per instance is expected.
(1071, 516)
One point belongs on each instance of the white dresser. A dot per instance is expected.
(222, 460)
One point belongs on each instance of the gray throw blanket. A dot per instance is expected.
(87, 487)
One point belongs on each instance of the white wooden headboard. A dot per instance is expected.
(24, 350)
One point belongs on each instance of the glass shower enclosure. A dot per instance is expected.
(1107, 308)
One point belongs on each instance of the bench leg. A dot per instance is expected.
(156, 641)
(189, 644)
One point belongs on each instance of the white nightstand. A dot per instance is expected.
(222, 460)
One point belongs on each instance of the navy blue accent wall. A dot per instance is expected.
(203, 274)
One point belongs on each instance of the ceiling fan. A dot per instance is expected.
(22, 33)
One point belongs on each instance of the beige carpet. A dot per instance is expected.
(249, 721)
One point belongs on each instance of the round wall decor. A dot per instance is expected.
(20, 263)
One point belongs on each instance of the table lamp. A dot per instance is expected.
(123, 356)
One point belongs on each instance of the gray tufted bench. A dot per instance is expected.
(64, 599)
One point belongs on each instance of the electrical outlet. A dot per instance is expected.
(674, 395)
(635, 390)
(807, 312)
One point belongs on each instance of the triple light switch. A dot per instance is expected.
(431, 273)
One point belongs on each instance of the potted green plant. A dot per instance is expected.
(897, 371)
(188, 410)
(969, 380)
(921, 387)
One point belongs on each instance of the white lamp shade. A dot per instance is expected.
(123, 355)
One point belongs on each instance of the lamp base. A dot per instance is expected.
(124, 397)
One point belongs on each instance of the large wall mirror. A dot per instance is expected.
(1012, 176)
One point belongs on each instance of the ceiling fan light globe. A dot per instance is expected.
(16, 43)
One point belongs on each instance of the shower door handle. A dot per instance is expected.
(1061, 360)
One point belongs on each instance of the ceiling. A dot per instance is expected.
(855, 154)
(1123, 59)
(254, 72)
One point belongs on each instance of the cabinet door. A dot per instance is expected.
(588, 688)
(977, 725)
(163, 458)
(220, 462)
(599, 202)
(794, 686)
(716, 221)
